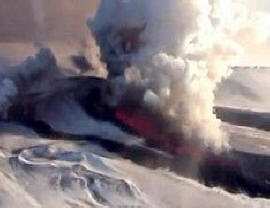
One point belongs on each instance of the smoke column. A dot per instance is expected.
(184, 47)
(39, 19)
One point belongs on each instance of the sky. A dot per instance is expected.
(58, 19)
(65, 20)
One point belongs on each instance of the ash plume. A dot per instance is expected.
(179, 51)
(33, 74)
(184, 47)
(39, 19)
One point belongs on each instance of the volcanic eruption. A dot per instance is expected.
(156, 106)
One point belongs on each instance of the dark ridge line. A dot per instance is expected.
(240, 117)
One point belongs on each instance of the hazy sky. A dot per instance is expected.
(57, 19)
(65, 19)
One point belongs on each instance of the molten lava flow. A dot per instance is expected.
(144, 125)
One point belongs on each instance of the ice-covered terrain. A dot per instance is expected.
(37, 172)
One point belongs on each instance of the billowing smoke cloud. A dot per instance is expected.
(247, 26)
(31, 75)
(183, 46)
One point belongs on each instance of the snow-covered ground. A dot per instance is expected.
(36, 172)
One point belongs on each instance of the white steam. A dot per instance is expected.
(184, 46)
